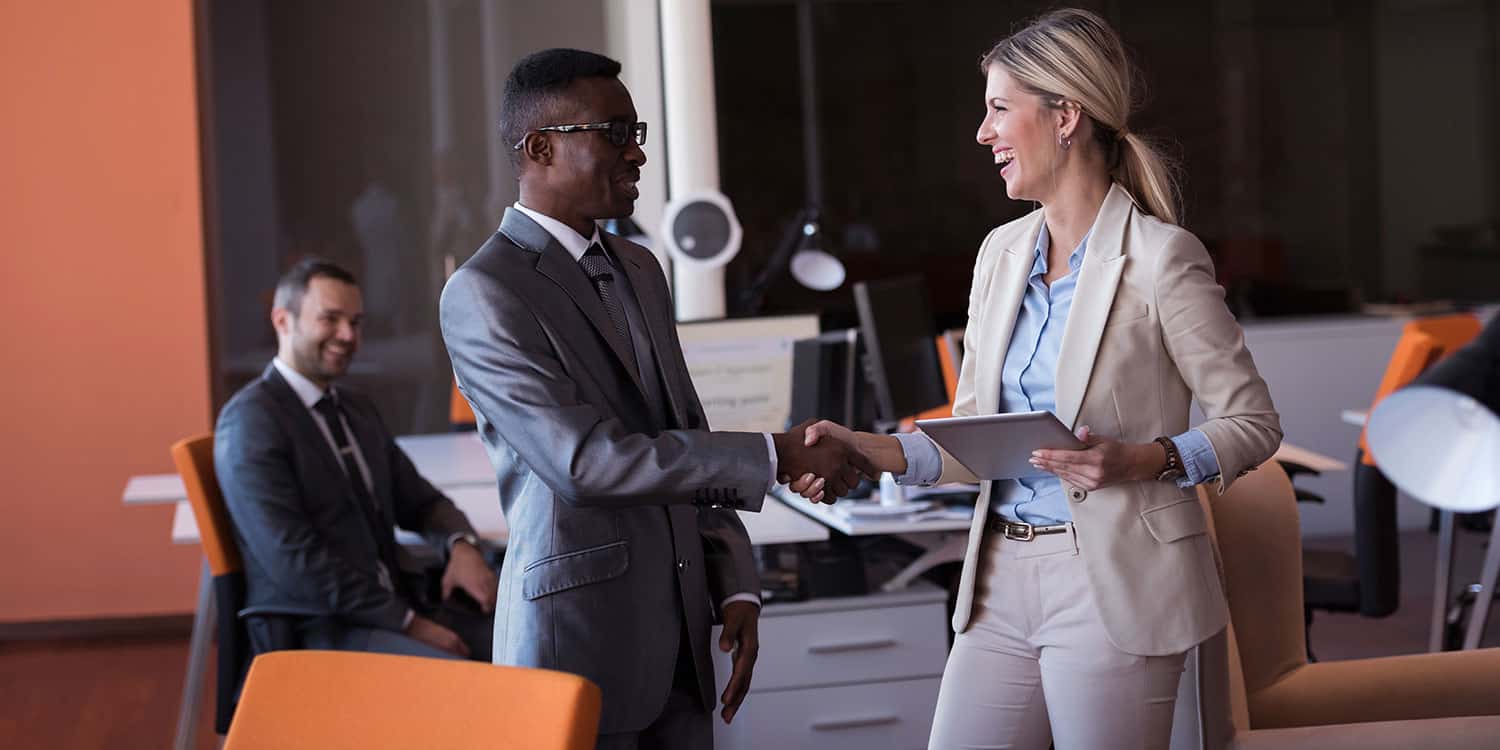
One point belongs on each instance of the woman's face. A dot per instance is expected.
(1019, 132)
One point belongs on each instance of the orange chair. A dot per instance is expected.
(1423, 342)
(460, 414)
(341, 699)
(950, 348)
(194, 458)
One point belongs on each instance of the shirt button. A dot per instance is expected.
(1077, 494)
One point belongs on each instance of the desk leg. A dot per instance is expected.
(950, 549)
(1441, 589)
(1486, 595)
(192, 681)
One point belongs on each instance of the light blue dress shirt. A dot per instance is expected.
(1028, 383)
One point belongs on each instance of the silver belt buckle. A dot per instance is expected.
(1020, 532)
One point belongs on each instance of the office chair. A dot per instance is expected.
(343, 699)
(194, 458)
(1251, 685)
(460, 414)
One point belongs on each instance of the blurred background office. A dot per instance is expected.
(165, 160)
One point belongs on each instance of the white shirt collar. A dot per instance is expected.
(571, 240)
(306, 390)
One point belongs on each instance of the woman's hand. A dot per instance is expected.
(1103, 462)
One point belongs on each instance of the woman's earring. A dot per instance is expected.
(1064, 142)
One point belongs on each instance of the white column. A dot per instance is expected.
(633, 36)
(497, 52)
(692, 136)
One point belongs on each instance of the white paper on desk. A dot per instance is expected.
(742, 369)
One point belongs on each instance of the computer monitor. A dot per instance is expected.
(899, 333)
(828, 380)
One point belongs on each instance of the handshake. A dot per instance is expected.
(824, 461)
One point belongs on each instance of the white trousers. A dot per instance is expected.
(1035, 665)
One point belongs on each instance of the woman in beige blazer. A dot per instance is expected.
(1082, 591)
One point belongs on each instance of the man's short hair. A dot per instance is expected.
(293, 284)
(534, 83)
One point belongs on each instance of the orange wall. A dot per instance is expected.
(102, 313)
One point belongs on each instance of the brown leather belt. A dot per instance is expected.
(1022, 532)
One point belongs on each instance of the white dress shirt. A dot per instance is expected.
(576, 245)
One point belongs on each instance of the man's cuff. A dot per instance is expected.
(1199, 464)
(411, 614)
(742, 597)
(923, 462)
(771, 481)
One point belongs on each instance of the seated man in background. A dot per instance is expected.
(314, 484)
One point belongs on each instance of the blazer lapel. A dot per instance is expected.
(308, 433)
(554, 262)
(1004, 302)
(1092, 300)
(657, 318)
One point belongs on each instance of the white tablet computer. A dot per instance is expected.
(999, 446)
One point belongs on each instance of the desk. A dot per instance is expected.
(454, 462)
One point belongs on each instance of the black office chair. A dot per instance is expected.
(1368, 579)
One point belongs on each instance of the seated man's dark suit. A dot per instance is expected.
(322, 567)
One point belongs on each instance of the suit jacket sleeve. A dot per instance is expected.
(508, 369)
(419, 506)
(965, 403)
(1208, 346)
(252, 457)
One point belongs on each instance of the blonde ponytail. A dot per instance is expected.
(1073, 55)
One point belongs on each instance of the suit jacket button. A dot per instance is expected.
(682, 564)
(1077, 494)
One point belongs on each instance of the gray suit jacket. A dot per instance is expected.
(309, 548)
(616, 544)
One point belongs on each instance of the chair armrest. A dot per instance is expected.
(1462, 733)
(1392, 688)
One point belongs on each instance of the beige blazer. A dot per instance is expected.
(1147, 334)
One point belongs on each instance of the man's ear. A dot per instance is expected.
(281, 320)
(537, 149)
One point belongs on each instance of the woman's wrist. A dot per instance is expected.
(1151, 459)
(883, 450)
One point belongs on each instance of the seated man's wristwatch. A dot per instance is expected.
(1173, 470)
(469, 539)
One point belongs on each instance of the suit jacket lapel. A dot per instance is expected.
(554, 262)
(308, 433)
(1004, 302)
(657, 318)
(1092, 300)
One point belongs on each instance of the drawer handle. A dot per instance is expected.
(835, 648)
(833, 725)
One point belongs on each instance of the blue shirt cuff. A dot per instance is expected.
(923, 462)
(1199, 464)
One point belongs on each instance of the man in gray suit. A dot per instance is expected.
(314, 484)
(625, 545)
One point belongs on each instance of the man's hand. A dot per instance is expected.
(468, 572)
(742, 627)
(437, 636)
(1102, 462)
(838, 463)
(882, 451)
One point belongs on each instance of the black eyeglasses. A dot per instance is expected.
(619, 132)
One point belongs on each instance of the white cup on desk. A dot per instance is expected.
(891, 494)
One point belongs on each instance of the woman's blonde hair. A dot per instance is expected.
(1072, 55)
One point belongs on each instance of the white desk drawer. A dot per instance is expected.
(841, 647)
(877, 716)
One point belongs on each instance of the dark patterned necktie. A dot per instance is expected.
(597, 266)
(333, 416)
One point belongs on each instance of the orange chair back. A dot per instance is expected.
(1423, 342)
(950, 354)
(343, 699)
(459, 411)
(194, 458)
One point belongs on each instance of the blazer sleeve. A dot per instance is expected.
(253, 460)
(507, 367)
(965, 401)
(1207, 345)
(727, 555)
(419, 506)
